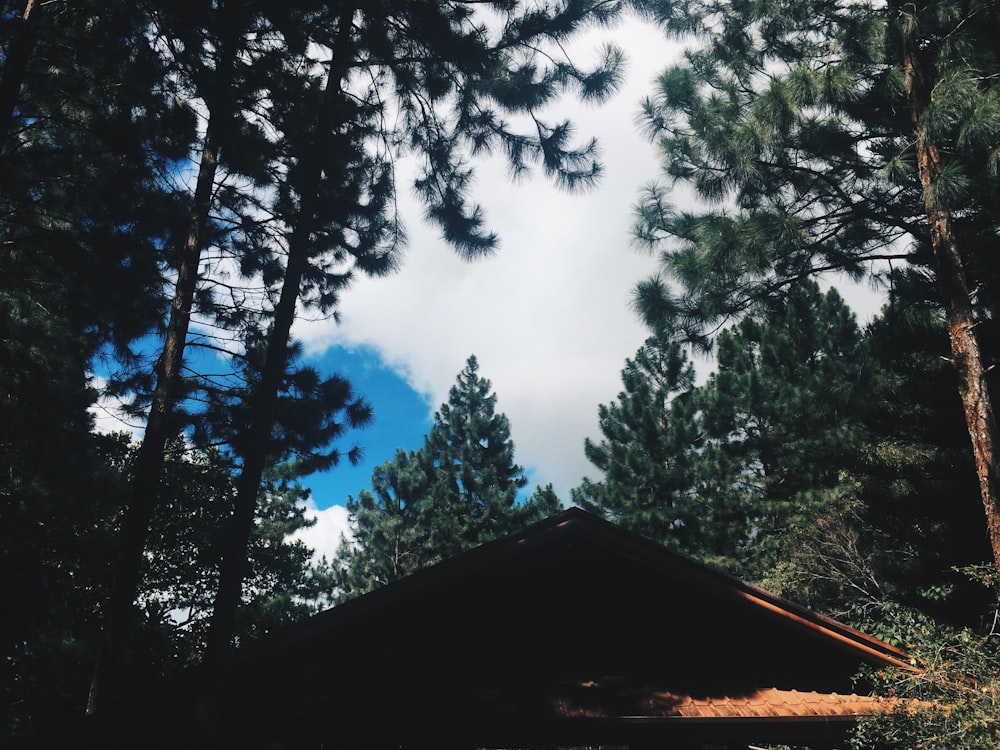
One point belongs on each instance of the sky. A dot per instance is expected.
(548, 315)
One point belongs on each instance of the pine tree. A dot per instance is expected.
(215, 56)
(386, 536)
(544, 502)
(457, 492)
(456, 86)
(646, 455)
(54, 563)
(473, 480)
(16, 60)
(293, 195)
(888, 539)
(837, 136)
(181, 569)
(782, 420)
(89, 130)
(732, 471)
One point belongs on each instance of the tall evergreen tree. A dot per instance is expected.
(44, 679)
(457, 83)
(731, 471)
(387, 540)
(222, 37)
(294, 162)
(15, 62)
(458, 491)
(473, 481)
(782, 420)
(88, 118)
(812, 461)
(888, 537)
(293, 193)
(650, 441)
(54, 565)
(832, 136)
(180, 574)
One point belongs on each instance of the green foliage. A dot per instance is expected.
(208, 164)
(650, 440)
(916, 455)
(455, 493)
(790, 121)
(951, 701)
(781, 419)
(733, 471)
(473, 481)
(421, 78)
(805, 130)
(386, 541)
(56, 526)
(64, 571)
(182, 562)
(84, 218)
(812, 461)
(882, 533)
(830, 454)
(314, 413)
(796, 126)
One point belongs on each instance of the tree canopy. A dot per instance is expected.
(459, 490)
(828, 137)
(180, 184)
(805, 462)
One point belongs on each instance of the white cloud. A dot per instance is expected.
(548, 315)
(325, 535)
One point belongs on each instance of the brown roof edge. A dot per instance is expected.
(878, 652)
(640, 549)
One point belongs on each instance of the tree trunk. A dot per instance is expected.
(960, 316)
(265, 396)
(149, 462)
(16, 66)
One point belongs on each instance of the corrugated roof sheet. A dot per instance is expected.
(762, 703)
(772, 702)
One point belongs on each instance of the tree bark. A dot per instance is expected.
(966, 355)
(265, 396)
(149, 462)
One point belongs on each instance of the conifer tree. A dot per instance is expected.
(456, 85)
(782, 419)
(180, 573)
(90, 129)
(887, 537)
(223, 57)
(646, 455)
(544, 502)
(829, 137)
(386, 536)
(732, 471)
(473, 481)
(294, 115)
(457, 492)
(16, 60)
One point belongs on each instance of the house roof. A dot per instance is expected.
(765, 703)
(573, 632)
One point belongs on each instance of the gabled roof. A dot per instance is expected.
(573, 632)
